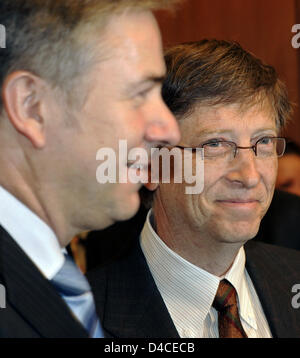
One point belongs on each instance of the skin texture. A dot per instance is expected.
(49, 150)
(209, 228)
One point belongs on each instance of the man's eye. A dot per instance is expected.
(265, 140)
(143, 94)
(213, 143)
(141, 97)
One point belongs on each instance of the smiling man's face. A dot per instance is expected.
(236, 193)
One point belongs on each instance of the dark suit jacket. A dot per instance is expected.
(33, 307)
(130, 305)
(280, 225)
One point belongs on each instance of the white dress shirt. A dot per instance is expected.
(188, 291)
(32, 234)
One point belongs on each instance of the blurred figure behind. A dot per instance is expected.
(288, 178)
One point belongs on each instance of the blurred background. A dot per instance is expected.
(263, 27)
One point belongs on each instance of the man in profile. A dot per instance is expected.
(193, 273)
(75, 76)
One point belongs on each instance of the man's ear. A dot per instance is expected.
(22, 92)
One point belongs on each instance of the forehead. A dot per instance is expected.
(232, 120)
(133, 38)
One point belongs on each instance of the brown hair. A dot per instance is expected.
(221, 72)
(51, 38)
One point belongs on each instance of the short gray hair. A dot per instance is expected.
(49, 37)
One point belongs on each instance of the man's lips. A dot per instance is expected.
(238, 201)
(240, 204)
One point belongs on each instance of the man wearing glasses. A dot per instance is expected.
(193, 273)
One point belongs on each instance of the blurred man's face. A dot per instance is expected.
(288, 178)
(124, 102)
(236, 193)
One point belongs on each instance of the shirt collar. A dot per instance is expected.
(186, 282)
(32, 234)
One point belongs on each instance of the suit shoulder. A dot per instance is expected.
(275, 255)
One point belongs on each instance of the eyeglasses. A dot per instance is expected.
(265, 147)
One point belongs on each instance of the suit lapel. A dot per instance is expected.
(273, 272)
(133, 306)
(33, 296)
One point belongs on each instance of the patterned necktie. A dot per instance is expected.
(225, 303)
(75, 290)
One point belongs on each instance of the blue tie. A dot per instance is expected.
(76, 291)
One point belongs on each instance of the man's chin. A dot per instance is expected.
(127, 207)
(242, 233)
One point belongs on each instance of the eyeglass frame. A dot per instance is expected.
(234, 145)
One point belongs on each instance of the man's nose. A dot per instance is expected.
(163, 127)
(243, 169)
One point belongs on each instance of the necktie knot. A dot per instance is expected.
(74, 288)
(69, 281)
(225, 296)
(225, 303)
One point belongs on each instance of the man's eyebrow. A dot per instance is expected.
(151, 80)
(262, 130)
(155, 78)
(158, 78)
(205, 132)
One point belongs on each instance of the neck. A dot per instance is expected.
(41, 200)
